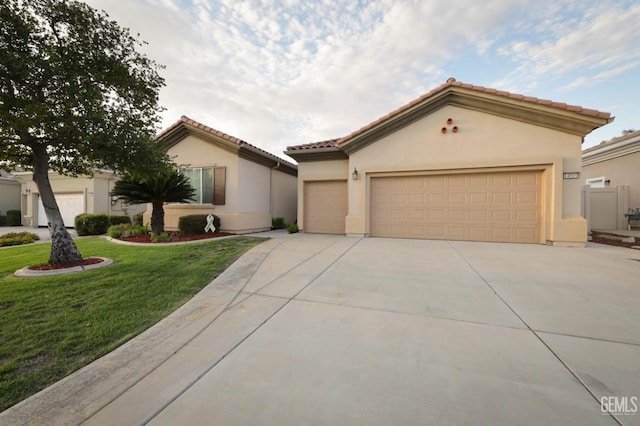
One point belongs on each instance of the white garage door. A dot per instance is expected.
(70, 206)
(325, 207)
(501, 206)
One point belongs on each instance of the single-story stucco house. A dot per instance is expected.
(461, 162)
(9, 193)
(74, 195)
(612, 172)
(242, 184)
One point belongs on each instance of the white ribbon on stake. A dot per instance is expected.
(210, 226)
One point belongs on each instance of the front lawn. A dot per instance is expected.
(52, 326)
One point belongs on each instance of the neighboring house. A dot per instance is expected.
(9, 193)
(74, 195)
(461, 162)
(612, 171)
(242, 184)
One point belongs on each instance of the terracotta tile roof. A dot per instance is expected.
(330, 143)
(186, 120)
(453, 83)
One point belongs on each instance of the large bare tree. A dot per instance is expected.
(75, 95)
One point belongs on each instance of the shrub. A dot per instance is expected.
(137, 219)
(125, 230)
(14, 217)
(293, 228)
(91, 224)
(119, 219)
(3, 220)
(162, 237)
(278, 223)
(194, 224)
(17, 238)
(116, 231)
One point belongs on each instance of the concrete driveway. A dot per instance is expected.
(328, 330)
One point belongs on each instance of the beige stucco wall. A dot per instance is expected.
(193, 151)
(284, 200)
(248, 206)
(317, 171)
(483, 141)
(9, 195)
(624, 170)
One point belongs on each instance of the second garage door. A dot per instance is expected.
(501, 207)
(70, 206)
(325, 206)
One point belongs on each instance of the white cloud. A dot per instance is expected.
(282, 72)
(601, 39)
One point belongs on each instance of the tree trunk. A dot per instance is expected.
(157, 217)
(63, 248)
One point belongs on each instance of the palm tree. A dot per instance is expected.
(164, 186)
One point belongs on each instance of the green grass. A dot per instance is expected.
(52, 326)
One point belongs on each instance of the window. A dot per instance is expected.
(598, 182)
(209, 183)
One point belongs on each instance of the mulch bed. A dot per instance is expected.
(176, 237)
(85, 262)
(612, 240)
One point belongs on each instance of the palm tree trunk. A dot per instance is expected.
(63, 249)
(157, 217)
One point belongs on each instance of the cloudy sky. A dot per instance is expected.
(285, 72)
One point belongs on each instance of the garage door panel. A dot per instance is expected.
(457, 215)
(504, 234)
(416, 199)
(478, 198)
(501, 197)
(436, 199)
(525, 235)
(501, 180)
(480, 180)
(487, 207)
(457, 198)
(478, 215)
(479, 233)
(527, 179)
(325, 206)
(457, 232)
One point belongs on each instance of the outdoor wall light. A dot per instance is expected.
(354, 175)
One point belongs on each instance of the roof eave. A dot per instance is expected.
(620, 148)
(316, 154)
(251, 153)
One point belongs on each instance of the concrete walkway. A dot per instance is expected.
(326, 330)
